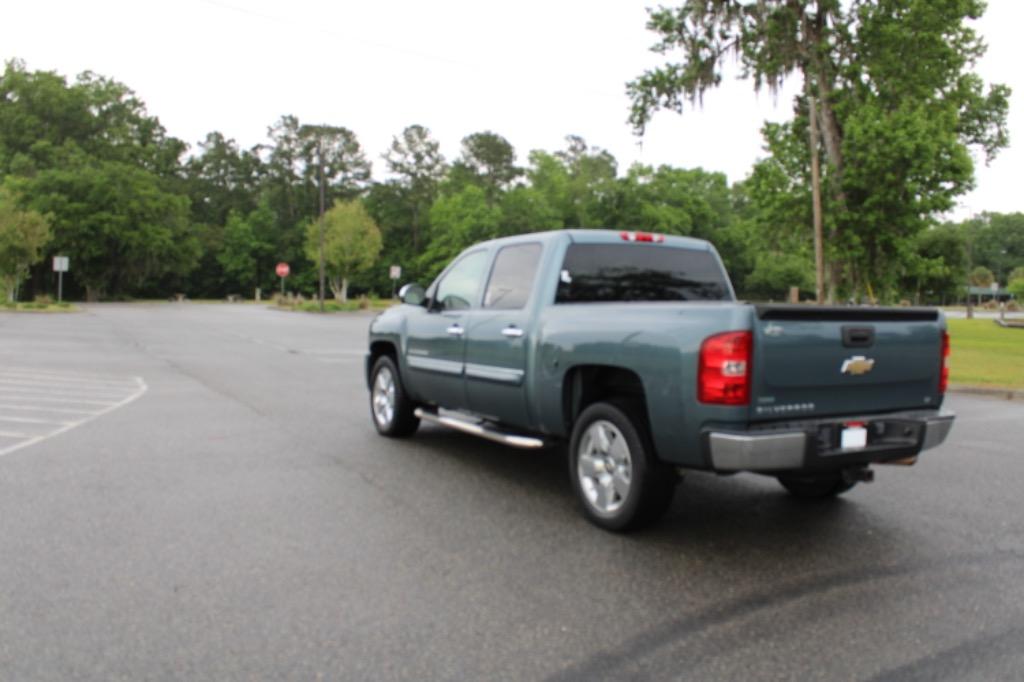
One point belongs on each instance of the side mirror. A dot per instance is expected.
(413, 294)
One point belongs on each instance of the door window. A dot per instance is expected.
(461, 285)
(512, 277)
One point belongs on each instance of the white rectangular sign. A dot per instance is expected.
(853, 438)
(395, 271)
(60, 263)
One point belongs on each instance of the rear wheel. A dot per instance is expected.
(392, 411)
(619, 482)
(817, 486)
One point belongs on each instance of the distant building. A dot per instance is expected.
(982, 294)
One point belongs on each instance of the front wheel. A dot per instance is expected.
(620, 483)
(392, 411)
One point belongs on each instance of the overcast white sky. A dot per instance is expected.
(533, 71)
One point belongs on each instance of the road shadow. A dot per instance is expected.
(728, 517)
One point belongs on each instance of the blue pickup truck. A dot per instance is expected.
(632, 348)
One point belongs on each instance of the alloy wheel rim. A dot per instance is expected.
(604, 467)
(384, 397)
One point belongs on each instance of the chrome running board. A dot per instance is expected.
(481, 429)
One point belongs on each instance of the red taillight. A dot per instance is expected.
(642, 237)
(944, 365)
(723, 377)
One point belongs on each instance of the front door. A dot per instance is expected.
(437, 337)
(498, 335)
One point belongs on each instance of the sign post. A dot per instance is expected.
(60, 266)
(282, 271)
(395, 273)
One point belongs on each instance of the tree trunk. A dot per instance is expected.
(819, 247)
(92, 293)
(335, 284)
(819, 83)
(415, 226)
(344, 289)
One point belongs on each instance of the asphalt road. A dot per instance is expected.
(221, 508)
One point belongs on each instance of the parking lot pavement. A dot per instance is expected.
(39, 403)
(244, 520)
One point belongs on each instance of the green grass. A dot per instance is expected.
(985, 354)
(38, 307)
(332, 306)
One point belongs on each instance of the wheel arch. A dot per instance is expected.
(585, 385)
(377, 349)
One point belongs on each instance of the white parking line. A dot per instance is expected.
(16, 399)
(73, 379)
(61, 390)
(30, 408)
(32, 420)
(11, 395)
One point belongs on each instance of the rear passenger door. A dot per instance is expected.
(497, 337)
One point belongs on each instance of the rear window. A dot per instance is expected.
(594, 273)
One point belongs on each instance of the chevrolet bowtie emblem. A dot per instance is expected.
(856, 365)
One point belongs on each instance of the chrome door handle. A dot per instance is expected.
(455, 330)
(512, 332)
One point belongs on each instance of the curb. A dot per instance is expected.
(1001, 393)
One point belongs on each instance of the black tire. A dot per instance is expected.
(816, 486)
(400, 420)
(651, 483)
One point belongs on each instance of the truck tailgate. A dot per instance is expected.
(820, 361)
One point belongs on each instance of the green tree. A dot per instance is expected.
(591, 173)
(90, 156)
(284, 172)
(221, 179)
(487, 160)
(390, 207)
(46, 122)
(998, 242)
(774, 272)
(23, 234)
(335, 152)
(121, 230)
(245, 250)
(548, 175)
(456, 222)
(673, 201)
(352, 242)
(892, 91)
(525, 209)
(416, 160)
(981, 277)
(579, 182)
(936, 265)
(1016, 283)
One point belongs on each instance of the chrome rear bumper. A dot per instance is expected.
(782, 449)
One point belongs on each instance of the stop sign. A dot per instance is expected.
(283, 269)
